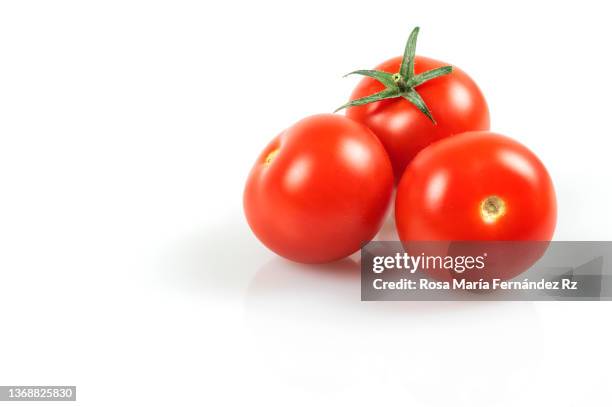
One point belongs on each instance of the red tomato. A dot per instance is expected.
(470, 191)
(319, 190)
(476, 186)
(455, 101)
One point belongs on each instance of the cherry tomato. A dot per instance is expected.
(471, 191)
(455, 101)
(319, 190)
(476, 186)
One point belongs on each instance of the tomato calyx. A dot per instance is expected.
(402, 83)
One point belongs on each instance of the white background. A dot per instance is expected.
(127, 129)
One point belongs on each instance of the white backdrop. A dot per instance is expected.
(127, 129)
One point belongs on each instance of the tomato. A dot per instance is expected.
(472, 191)
(476, 186)
(455, 101)
(319, 190)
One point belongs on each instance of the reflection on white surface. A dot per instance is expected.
(311, 331)
(388, 230)
(306, 331)
(217, 262)
(222, 260)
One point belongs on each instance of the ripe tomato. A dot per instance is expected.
(455, 101)
(471, 191)
(476, 186)
(319, 190)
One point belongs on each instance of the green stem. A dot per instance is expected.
(403, 83)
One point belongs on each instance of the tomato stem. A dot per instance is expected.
(403, 83)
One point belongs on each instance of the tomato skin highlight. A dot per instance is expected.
(443, 194)
(455, 101)
(323, 193)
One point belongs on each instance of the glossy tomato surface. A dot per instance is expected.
(455, 101)
(476, 186)
(319, 190)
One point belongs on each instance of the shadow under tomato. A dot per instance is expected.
(283, 287)
(284, 278)
(310, 318)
